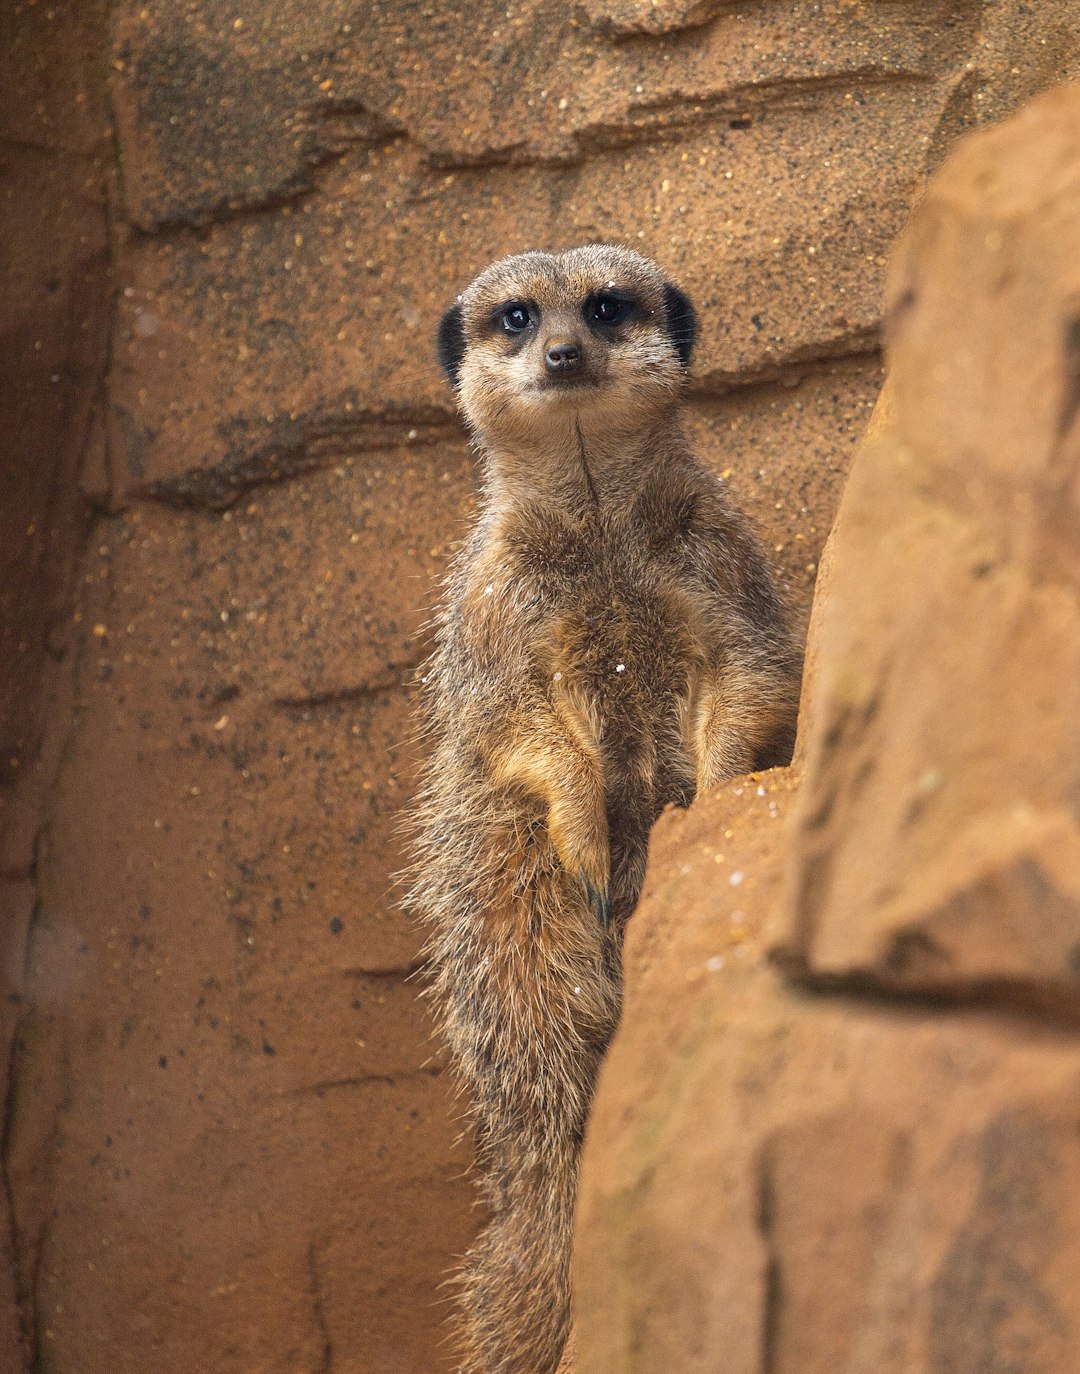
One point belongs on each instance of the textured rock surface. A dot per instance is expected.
(222, 1015)
(767, 157)
(55, 292)
(837, 1130)
(815, 1185)
(225, 1145)
(937, 844)
(54, 299)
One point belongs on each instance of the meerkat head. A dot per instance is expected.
(595, 336)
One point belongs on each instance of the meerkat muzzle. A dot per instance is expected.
(563, 359)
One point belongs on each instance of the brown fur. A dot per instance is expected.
(610, 641)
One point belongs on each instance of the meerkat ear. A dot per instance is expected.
(681, 322)
(450, 343)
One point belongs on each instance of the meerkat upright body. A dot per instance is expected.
(610, 641)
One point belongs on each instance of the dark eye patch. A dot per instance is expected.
(450, 343)
(608, 309)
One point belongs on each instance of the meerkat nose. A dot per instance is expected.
(562, 358)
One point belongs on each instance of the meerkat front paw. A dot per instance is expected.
(568, 775)
(582, 845)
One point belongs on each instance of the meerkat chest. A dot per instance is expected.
(614, 622)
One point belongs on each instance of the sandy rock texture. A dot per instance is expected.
(837, 1130)
(228, 1143)
(54, 324)
(937, 846)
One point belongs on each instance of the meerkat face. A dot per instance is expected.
(595, 335)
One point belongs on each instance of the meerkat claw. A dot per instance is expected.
(600, 902)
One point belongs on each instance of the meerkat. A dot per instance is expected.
(610, 641)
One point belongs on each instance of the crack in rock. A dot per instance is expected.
(290, 445)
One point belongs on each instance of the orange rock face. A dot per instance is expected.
(837, 1130)
(937, 848)
(226, 1144)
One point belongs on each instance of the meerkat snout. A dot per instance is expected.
(563, 359)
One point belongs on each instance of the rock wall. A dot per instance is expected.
(855, 1146)
(227, 1143)
(54, 320)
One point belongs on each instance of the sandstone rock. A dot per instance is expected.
(17, 902)
(768, 158)
(937, 846)
(253, 107)
(860, 1154)
(259, 349)
(785, 452)
(219, 1001)
(55, 295)
(232, 113)
(880, 423)
(814, 1185)
(296, 193)
(649, 16)
(54, 302)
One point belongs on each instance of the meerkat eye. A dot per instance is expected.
(606, 309)
(515, 317)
